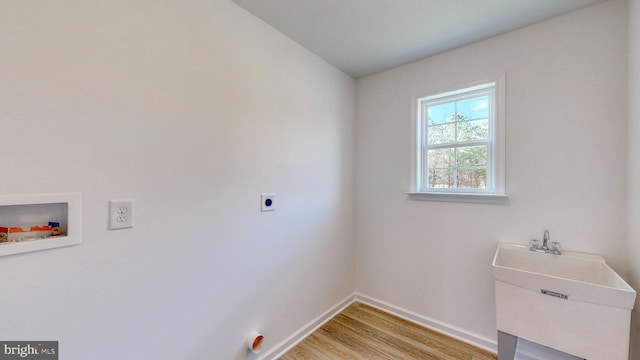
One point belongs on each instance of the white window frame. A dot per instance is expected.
(496, 171)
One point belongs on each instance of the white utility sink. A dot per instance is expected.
(572, 302)
(583, 277)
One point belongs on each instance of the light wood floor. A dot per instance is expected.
(364, 333)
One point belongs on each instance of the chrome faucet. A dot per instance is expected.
(554, 249)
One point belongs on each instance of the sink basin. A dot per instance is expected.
(572, 302)
(582, 277)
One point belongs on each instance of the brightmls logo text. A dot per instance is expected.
(31, 350)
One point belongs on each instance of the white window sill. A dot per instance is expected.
(459, 197)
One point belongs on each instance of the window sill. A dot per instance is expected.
(459, 197)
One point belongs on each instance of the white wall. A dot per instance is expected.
(192, 109)
(566, 166)
(633, 200)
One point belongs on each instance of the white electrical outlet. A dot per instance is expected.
(120, 214)
(268, 202)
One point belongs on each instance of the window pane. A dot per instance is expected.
(441, 158)
(441, 178)
(440, 134)
(473, 130)
(470, 156)
(460, 143)
(472, 178)
(476, 108)
(440, 114)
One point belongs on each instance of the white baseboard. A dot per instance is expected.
(439, 326)
(307, 330)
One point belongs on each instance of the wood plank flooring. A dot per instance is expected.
(362, 332)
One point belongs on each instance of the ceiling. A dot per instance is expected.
(362, 37)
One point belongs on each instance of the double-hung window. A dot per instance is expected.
(459, 138)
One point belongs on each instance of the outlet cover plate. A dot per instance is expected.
(120, 214)
(268, 202)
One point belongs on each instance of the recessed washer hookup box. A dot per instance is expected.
(36, 222)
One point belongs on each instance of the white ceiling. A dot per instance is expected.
(362, 37)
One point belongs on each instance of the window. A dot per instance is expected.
(459, 141)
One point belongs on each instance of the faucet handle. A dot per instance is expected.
(533, 244)
(556, 245)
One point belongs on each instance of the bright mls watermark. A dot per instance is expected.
(30, 350)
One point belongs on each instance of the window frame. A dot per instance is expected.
(496, 171)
